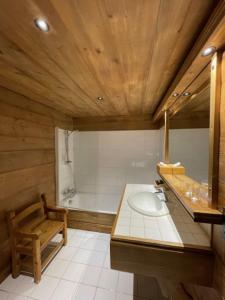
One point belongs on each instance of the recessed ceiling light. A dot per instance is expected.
(41, 24)
(186, 94)
(175, 94)
(208, 51)
(100, 98)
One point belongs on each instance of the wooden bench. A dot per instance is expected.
(31, 234)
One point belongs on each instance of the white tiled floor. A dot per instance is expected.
(80, 271)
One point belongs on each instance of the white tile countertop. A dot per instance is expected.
(176, 229)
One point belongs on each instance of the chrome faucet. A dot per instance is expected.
(161, 191)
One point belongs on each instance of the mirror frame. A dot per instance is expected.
(214, 127)
(214, 130)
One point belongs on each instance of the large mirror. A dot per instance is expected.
(189, 134)
(192, 139)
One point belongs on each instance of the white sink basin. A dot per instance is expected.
(148, 203)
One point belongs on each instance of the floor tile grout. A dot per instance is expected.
(103, 267)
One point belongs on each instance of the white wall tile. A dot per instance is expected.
(109, 160)
(104, 161)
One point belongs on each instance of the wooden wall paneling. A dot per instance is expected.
(136, 122)
(27, 158)
(199, 86)
(19, 127)
(190, 120)
(213, 33)
(30, 110)
(92, 221)
(24, 143)
(22, 179)
(16, 160)
(197, 292)
(197, 103)
(193, 111)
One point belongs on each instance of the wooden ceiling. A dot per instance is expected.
(198, 102)
(199, 97)
(194, 69)
(194, 112)
(127, 51)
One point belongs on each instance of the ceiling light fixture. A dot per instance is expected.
(208, 51)
(175, 94)
(100, 98)
(41, 24)
(186, 94)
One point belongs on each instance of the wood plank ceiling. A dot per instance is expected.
(195, 112)
(198, 103)
(198, 100)
(127, 51)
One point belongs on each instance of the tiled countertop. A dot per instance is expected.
(176, 229)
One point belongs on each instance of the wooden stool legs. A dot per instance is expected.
(16, 264)
(65, 230)
(37, 260)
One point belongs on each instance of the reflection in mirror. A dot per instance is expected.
(189, 134)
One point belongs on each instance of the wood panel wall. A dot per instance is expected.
(92, 221)
(27, 157)
(190, 120)
(141, 122)
(218, 230)
(135, 122)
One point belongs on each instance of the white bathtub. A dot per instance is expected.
(105, 203)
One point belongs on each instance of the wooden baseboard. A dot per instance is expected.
(93, 221)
